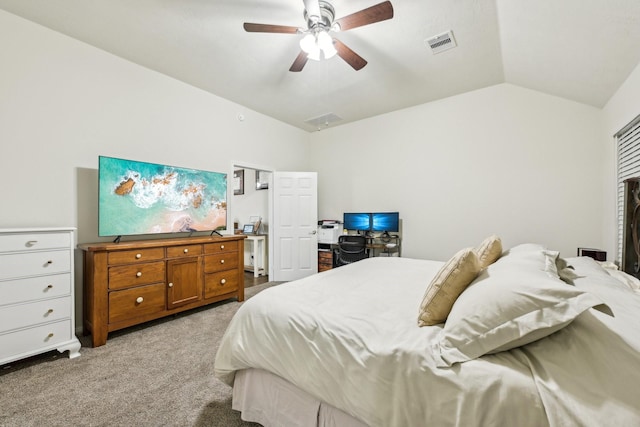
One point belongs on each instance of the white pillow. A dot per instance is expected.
(513, 302)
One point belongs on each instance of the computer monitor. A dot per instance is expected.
(357, 221)
(385, 221)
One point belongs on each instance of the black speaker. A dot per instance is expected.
(596, 254)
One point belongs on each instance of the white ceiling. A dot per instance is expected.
(581, 50)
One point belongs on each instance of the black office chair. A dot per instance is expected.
(351, 249)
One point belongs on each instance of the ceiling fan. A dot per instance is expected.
(317, 42)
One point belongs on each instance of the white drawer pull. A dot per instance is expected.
(139, 300)
(221, 246)
(138, 256)
(223, 281)
(186, 251)
(221, 261)
(139, 273)
(171, 285)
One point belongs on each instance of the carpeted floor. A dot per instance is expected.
(157, 374)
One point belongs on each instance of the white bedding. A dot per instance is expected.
(349, 337)
(588, 374)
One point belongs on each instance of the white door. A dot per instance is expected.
(295, 225)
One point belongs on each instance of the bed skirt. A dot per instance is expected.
(267, 399)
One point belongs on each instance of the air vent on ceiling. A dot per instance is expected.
(441, 42)
(323, 120)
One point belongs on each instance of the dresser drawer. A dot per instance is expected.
(182, 251)
(213, 248)
(220, 262)
(137, 302)
(34, 241)
(126, 276)
(136, 255)
(38, 338)
(33, 288)
(34, 264)
(31, 314)
(220, 283)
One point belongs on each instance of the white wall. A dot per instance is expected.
(503, 160)
(621, 109)
(63, 103)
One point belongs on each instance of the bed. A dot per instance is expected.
(527, 342)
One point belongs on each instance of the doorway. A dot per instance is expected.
(250, 195)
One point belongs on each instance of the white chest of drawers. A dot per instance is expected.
(36, 292)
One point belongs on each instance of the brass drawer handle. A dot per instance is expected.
(139, 274)
(50, 335)
(49, 312)
(31, 243)
(139, 300)
(49, 287)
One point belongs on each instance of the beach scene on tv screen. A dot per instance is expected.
(147, 198)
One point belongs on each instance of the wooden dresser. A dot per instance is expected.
(128, 283)
(36, 292)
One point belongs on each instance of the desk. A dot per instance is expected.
(377, 246)
(258, 254)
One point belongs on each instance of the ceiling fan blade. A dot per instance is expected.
(313, 9)
(266, 28)
(299, 63)
(349, 56)
(370, 15)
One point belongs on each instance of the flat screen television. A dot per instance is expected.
(357, 221)
(385, 221)
(147, 198)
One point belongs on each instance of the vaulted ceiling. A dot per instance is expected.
(582, 50)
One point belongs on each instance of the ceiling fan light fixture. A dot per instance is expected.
(329, 52)
(325, 42)
(316, 42)
(308, 43)
(314, 54)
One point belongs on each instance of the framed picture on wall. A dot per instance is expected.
(262, 180)
(238, 182)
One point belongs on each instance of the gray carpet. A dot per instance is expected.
(157, 374)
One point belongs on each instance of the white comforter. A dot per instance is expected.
(588, 374)
(349, 337)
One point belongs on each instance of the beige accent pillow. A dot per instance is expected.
(447, 285)
(489, 251)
